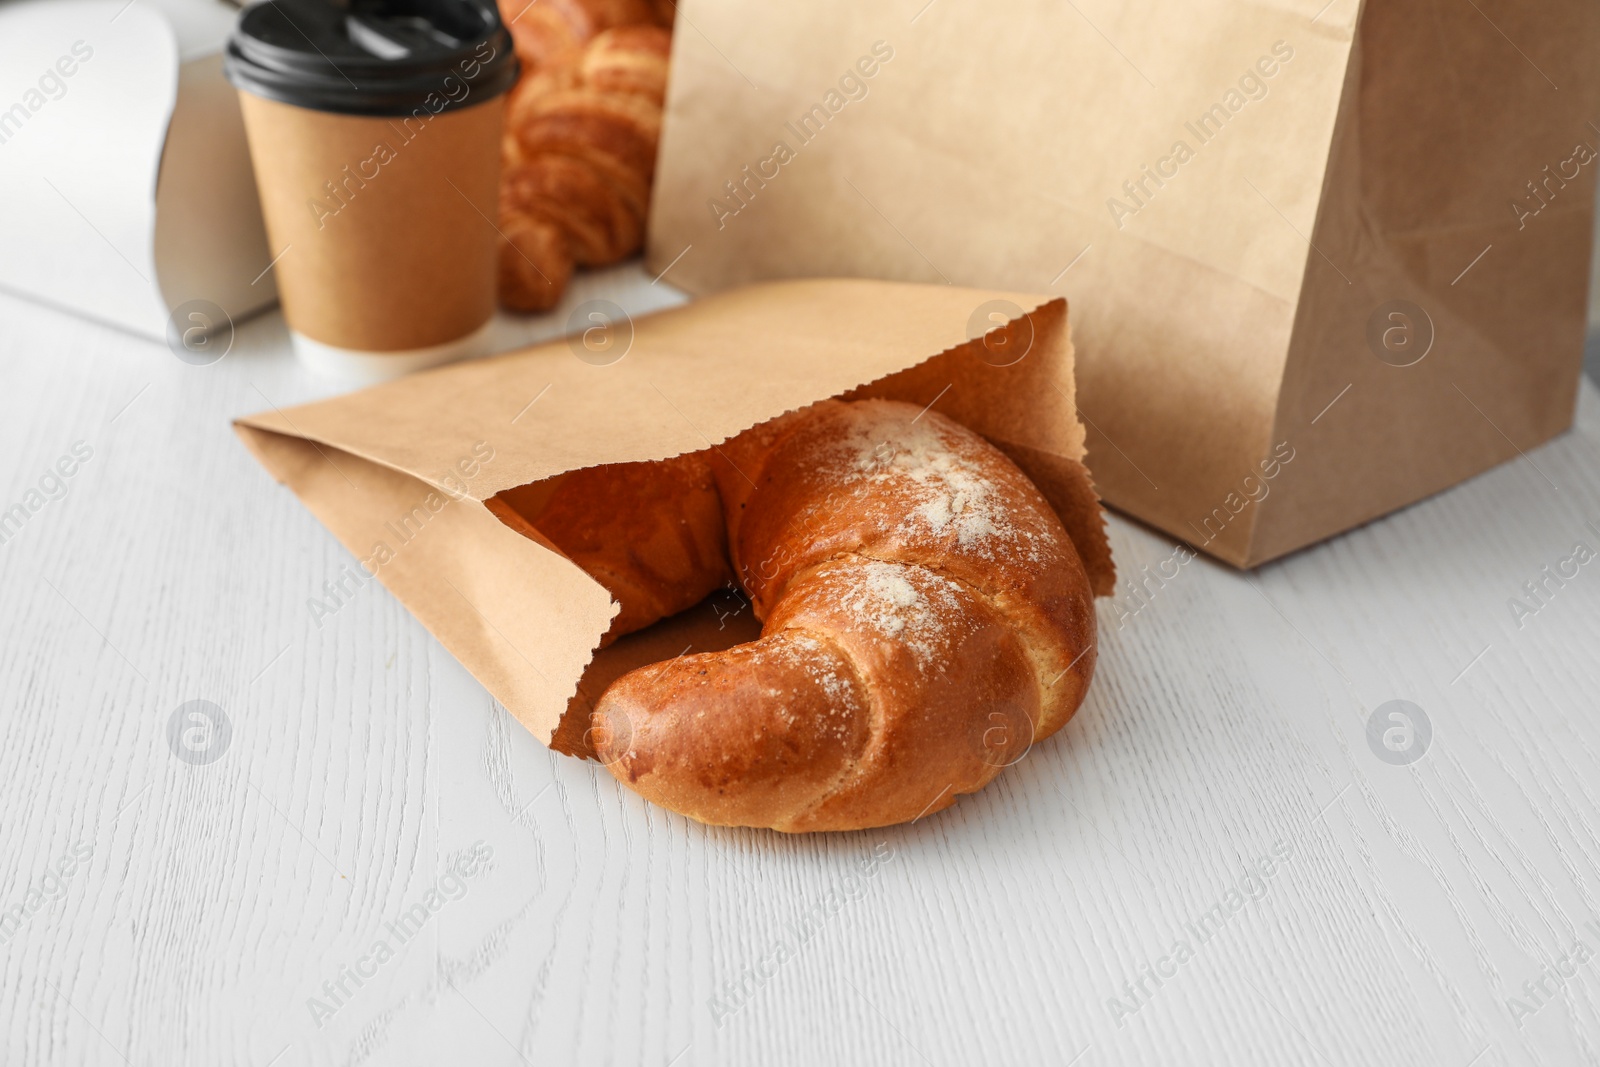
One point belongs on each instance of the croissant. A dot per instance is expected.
(547, 31)
(926, 618)
(651, 533)
(579, 155)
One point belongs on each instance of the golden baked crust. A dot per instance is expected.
(578, 155)
(926, 620)
(650, 533)
(544, 32)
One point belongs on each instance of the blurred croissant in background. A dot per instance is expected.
(582, 125)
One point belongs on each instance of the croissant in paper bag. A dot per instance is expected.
(926, 617)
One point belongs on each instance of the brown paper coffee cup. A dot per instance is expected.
(376, 148)
(387, 248)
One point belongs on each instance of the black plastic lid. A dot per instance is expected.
(372, 57)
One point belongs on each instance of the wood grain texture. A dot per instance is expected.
(1228, 719)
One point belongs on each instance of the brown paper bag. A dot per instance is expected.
(399, 472)
(1325, 258)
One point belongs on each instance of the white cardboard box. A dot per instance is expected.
(125, 181)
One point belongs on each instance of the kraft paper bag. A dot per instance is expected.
(1325, 258)
(401, 472)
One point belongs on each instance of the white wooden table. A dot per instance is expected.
(210, 911)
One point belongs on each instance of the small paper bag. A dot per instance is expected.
(399, 472)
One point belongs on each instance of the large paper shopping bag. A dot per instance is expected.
(1324, 259)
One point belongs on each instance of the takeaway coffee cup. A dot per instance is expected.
(374, 130)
